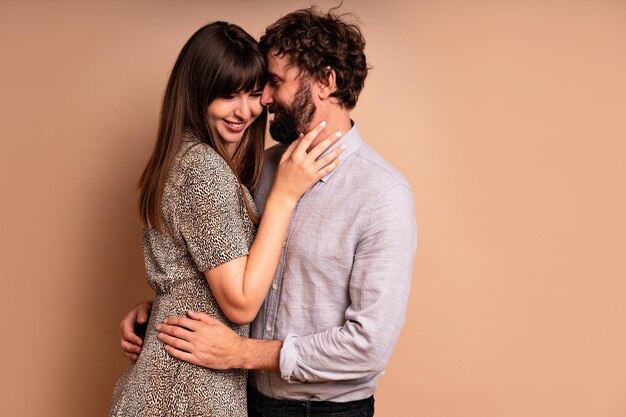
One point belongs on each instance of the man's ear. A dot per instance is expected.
(327, 83)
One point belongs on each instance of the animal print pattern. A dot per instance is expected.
(206, 224)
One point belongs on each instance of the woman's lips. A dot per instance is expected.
(235, 126)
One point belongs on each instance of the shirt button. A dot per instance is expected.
(284, 244)
(275, 285)
(268, 328)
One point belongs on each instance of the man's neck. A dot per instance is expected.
(336, 121)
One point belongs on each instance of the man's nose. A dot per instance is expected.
(243, 109)
(266, 96)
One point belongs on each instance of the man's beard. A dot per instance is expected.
(289, 122)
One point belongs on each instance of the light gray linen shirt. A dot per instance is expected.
(338, 299)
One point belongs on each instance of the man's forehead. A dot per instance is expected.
(280, 64)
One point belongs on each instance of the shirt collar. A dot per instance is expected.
(351, 140)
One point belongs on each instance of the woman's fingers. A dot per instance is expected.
(329, 157)
(323, 146)
(317, 166)
(299, 170)
(327, 169)
(307, 139)
(289, 150)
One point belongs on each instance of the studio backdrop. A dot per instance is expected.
(506, 117)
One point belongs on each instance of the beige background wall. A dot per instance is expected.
(507, 118)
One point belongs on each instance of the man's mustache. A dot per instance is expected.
(274, 108)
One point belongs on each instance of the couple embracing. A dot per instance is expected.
(281, 276)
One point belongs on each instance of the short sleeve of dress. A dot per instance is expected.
(210, 213)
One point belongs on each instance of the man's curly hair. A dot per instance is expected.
(313, 41)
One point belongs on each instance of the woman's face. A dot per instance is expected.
(230, 116)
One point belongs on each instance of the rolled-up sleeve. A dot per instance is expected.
(379, 287)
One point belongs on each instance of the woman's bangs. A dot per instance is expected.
(244, 74)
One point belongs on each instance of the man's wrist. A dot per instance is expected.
(255, 354)
(238, 359)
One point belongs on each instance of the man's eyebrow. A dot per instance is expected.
(274, 75)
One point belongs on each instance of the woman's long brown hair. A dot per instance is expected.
(218, 60)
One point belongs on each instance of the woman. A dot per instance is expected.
(200, 220)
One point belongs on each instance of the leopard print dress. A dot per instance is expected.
(206, 224)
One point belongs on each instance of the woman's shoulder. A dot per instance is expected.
(199, 158)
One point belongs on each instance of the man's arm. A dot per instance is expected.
(130, 341)
(206, 341)
(379, 288)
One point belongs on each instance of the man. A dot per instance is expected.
(333, 315)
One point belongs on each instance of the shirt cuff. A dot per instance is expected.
(288, 357)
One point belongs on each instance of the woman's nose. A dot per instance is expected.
(243, 109)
